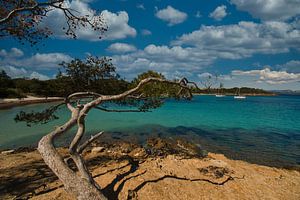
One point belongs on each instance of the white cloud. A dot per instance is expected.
(146, 32)
(117, 23)
(16, 72)
(205, 75)
(41, 61)
(121, 48)
(219, 13)
(45, 60)
(171, 15)
(141, 6)
(118, 27)
(198, 14)
(13, 71)
(14, 52)
(291, 66)
(269, 76)
(170, 61)
(243, 39)
(195, 51)
(269, 10)
(36, 75)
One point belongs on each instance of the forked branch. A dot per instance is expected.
(82, 185)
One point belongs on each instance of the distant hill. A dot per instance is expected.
(233, 91)
(286, 92)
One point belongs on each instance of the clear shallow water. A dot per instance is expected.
(258, 129)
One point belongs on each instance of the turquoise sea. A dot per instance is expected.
(264, 130)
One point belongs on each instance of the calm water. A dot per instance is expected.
(258, 129)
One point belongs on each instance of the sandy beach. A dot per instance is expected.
(9, 103)
(127, 171)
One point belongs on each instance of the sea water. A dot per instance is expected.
(263, 130)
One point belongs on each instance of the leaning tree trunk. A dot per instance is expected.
(81, 184)
(75, 185)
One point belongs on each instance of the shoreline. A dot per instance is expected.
(162, 173)
(32, 148)
(14, 102)
(244, 94)
(10, 103)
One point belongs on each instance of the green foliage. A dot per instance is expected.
(7, 87)
(232, 91)
(38, 117)
(5, 80)
(21, 20)
(83, 74)
(156, 89)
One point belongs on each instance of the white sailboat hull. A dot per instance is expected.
(220, 95)
(240, 97)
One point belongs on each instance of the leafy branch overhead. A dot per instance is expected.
(38, 117)
(23, 19)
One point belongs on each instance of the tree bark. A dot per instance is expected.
(75, 185)
(81, 185)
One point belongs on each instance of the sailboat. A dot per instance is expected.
(239, 96)
(219, 94)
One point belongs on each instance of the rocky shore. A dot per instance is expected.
(161, 169)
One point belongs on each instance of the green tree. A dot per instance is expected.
(5, 80)
(157, 89)
(21, 19)
(84, 74)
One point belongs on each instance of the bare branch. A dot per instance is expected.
(28, 8)
(80, 131)
(21, 19)
(116, 110)
(88, 142)
(84, 186)
(133, 90)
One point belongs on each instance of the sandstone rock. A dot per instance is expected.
(97, 149)
(8, 152)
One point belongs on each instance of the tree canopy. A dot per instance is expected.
(22, 19)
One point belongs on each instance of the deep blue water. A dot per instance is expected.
(258, 129)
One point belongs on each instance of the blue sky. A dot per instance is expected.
(246, 43)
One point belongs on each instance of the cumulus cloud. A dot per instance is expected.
(170, 61)
(243, 39)
(45, 60)
(140, 6)
(205, 75)
(17, 65)
(117, 23)
(146, 32)
(14, 52)
(118, 27)
(171, 15)
(195, 51)
(16, 72)
(269, 76)
(13, 71)
(219, 13)
(15, 57)
(36, 75)
(291, 66)
(269, 10)
(121, 48)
